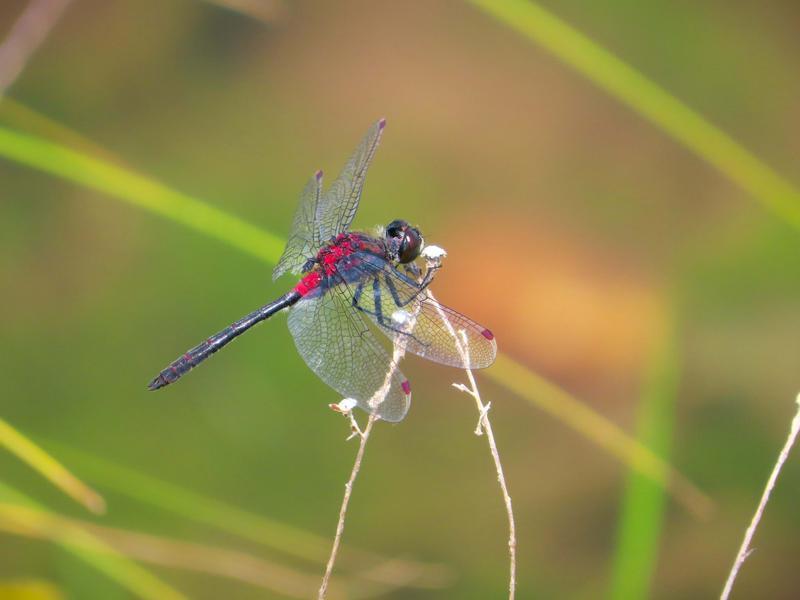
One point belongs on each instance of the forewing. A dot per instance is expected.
(304, 240)
(339, 204)
(430, 329)
(338, 345)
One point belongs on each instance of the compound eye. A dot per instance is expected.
(395, 229)
(411, 246)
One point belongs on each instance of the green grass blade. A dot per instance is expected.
(29, 588)
(651, 101)
(642, 510)
(256, 528)
(640, 457)
(95, 553)
(124, 184)
(121, 183)
(197, 507)
(193, 557)
(39, 460)
(24, 118)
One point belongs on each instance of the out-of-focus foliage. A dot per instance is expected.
(22, 516)
(566, 217)
(16, 443)
(29, 589)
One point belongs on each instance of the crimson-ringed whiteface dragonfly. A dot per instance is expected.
(350, 280)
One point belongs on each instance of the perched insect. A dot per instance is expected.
(351, 279)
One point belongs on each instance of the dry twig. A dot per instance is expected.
(745, 550)
(397, 354)
(485, 426)
(26, 35)
(348, 490)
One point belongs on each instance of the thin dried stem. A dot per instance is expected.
(266, 11)
(485, 426)
(348, 490)
(745, 550)
(26, 35)
(159, 550)
(398, 353)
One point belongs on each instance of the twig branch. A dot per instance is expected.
(434, 256)
(348, 490)
(485, 426)
(398, 353)
(745, 550)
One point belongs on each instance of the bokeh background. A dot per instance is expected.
(605, 256)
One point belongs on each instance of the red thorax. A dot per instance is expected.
(329, 257)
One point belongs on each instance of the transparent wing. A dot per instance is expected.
(338, 345)
(304, 240)
(337, 208)
(394, 302)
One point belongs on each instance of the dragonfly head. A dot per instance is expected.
(404, 241)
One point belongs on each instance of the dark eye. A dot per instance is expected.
(395, 229)
(411, 246)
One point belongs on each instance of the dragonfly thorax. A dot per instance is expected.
(337, 259)
(330, 257)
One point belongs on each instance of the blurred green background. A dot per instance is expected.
(605, 256)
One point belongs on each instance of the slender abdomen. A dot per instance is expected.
(202, 351)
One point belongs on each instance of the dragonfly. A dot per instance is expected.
(351, 285)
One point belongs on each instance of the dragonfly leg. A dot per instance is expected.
(378, 312)
(395, 296)
(413, 270)
(376, 299)
(430, 272)
(419, 289)
(419, 286)
(357, 293)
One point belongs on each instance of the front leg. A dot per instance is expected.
(417, 286)
(377, 312)
(430, 272)
(412, 269)
(433, 255)
(376, 301)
